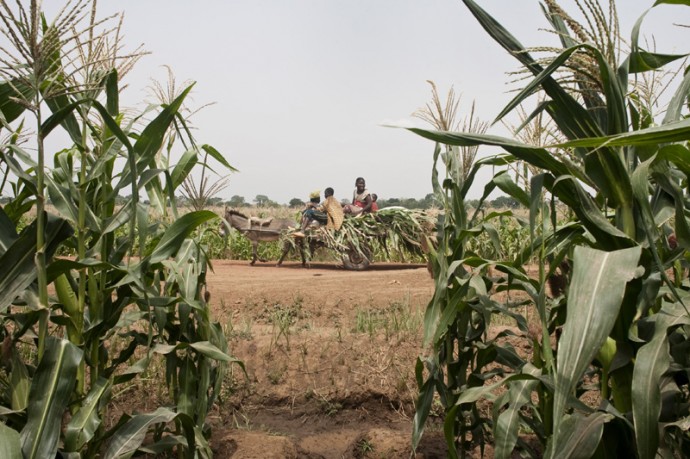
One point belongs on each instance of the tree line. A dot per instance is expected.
(427, 202)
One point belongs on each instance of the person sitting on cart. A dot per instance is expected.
(333, 210)
(329, 213)
(374, 204)
(361, 199)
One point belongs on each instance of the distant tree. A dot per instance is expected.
(473, 203)
(296, 202)
(261, 200)
(410, 203)
(431, 201)
(215, 201)
(236, 201)
(505, 201)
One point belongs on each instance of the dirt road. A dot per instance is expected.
(330, 358)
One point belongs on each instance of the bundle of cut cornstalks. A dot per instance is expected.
(391, 234)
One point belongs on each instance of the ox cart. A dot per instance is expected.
(391, 233)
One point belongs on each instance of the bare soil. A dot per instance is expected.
(329, 356)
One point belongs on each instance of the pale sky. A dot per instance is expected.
(302, 87)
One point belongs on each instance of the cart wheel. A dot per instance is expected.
(355, 261)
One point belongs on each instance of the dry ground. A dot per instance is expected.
(330, 357)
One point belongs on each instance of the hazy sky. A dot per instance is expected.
(302, 87)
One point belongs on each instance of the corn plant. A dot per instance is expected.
(124, 297)
(616, 324)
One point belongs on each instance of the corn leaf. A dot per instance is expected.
(596, 293)
(10, 445)
(177, 232)
(581, 436)
(652, 361)
(127, 439)
(672, 2)
(507, 423)
(183, 167)
(424, 401)
(9, 90)
(20, 383)
(8, 233)
(215, 154)
(50, 393)
(210, 350)
(186, 400)
(677, 102)
(151, 138)
(672, 132)
(83, 425)
(18, 260)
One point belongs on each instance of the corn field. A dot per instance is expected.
(132, 293)
(607, 375)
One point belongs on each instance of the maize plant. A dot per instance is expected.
(123, 299)
(607, 375)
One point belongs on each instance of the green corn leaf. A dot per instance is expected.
(424, 402)
(571, 192)
(209, 350)
(178, 232)
(20, 383)
(120, 218)
(507, 424)
(83, 425)
(536, 83)
(9, 90)
(672, 132)
(505, 182)
(127, 439)
(18, 260)
(164, 445)
(50, 393)
(186, 400)
(596, 292)
(63, 114)
(151, 138)
(64, 118)
(449, 431)
(672, 2)
(677, 102)
(63, 265)
(17, 168)
(573, 119)
(64, 200)
(112, 124)
(8, 233)
(215, 154)
(652, 361)
(537, 156)
(147, 177)
(580, 437)
(644, 61)
(183, 168)
(10, 444)
(677, 154)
